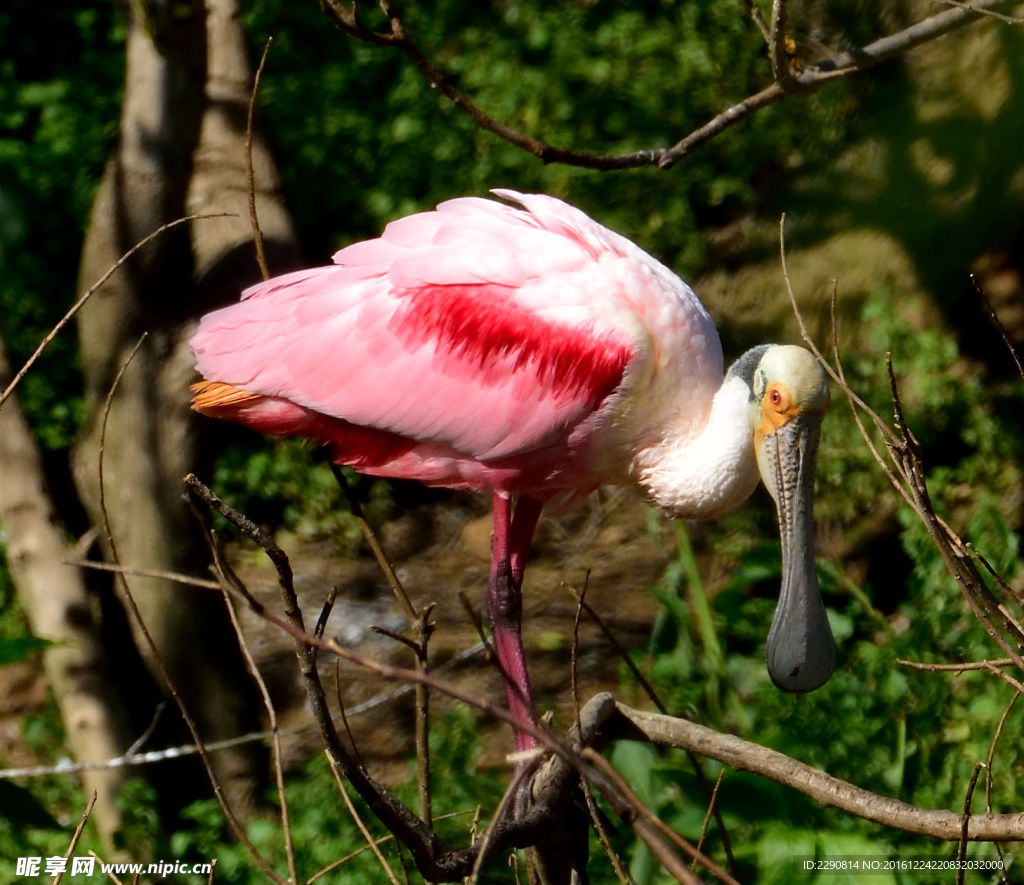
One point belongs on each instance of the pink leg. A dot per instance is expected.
(511, 545)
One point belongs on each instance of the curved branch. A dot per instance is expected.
(786, 82)
(822, 788)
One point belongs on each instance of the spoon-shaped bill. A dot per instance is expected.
(801, 652)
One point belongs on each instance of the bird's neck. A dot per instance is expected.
(702, 473)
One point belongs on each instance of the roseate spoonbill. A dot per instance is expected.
(532, 353)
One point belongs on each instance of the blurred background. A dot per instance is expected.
(899, 185)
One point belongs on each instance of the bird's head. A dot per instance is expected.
(788, 398)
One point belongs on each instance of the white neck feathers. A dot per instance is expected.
(701, 474)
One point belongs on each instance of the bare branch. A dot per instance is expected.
(988, 771)
(77, 835)
(153, 756)
(148, 733)
(991, 309)
(670, 861)
(707, 814)
(992, 750)
(268, 705)
(133, 607)
(653, 695)
(1006, 19)
(786, 82)
(961, 853)
(777, 43)
(422, 627)
(344, 716)
(178, 578)
(762, 26)
(957, 668)
(257, 234)
(822, 788)
(370, 841)
(55, 331)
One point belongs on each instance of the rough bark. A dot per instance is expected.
(224, 254)
(181, 149)
(61, 609)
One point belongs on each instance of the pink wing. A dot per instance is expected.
(477, 329)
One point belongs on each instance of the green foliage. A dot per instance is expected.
(363, 138)
(322, 829)
(60, 72)
(899, 732)
(20, 647)
(280, 483)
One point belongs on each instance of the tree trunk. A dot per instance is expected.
(181, 150)
(61, 609)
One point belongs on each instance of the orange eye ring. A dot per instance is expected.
(777, 399)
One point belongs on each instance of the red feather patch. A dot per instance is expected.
(481, 325)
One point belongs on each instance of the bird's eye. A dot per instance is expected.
(775, 397)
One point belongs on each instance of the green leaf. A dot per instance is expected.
(20, 647)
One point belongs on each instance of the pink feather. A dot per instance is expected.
(478, 345)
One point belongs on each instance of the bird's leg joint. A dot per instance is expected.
(506, 602)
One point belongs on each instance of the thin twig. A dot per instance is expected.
(76, 836)
(350, 856)
(153, 756)
(708, 814)
(961, 853)
(653, 695)
(855, 403)
(1015, 684)
(805, 81)
(988, 304)
(954, 553)
(574, 652)
(370, 841)
(1006, 19)
(621, 873)
(383, 840)
(325, 612)
(629, 662)
(55, 331)
(992, 751)
(483, 843)
(762, 25)
(176, 577)
(402, 863)
(257, 234)
(397, 637)
(344, 717)
(108, 874)
(148, 733)
(669, 860)
(268, 705)
(1004, 586)
(420, 623)
(430, 854)
(988, 773)
(375, 547)
(957, 668)
(133, 607)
